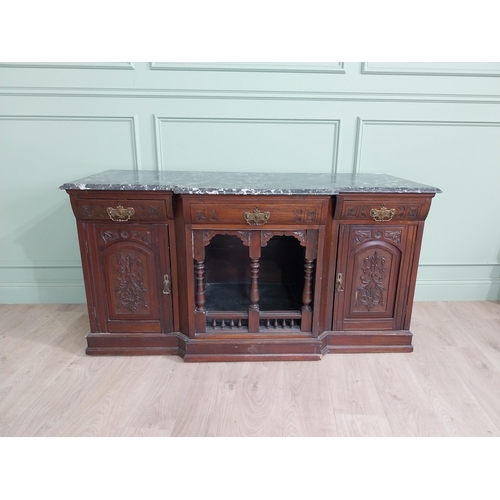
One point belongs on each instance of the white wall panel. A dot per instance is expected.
(433, 68)
(252, 145)
(435, 123)
(461, 245)
(37, 234)
(336, 67)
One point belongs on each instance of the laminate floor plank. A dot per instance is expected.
(480, 376)
(445, 329)
(157, 403)
(13, 314)
(480, 322)
(38, 365)
(258, 401)
(486, 337)
(53, 405)
(406, 406)
(102, 411)
(307, 404)
(454, 404)
(133, 432)
(64, 333)
(356, 403)
(30, 324)
(209, 403)
(476, 309)
(449, 385)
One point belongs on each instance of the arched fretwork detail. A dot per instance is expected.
(244, 236)
(265, 236)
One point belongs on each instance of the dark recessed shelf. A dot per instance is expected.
(234, 297)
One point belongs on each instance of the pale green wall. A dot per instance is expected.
(435, 123)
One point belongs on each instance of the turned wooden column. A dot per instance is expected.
(307, 296)
(310, 256)
(200, 313)
(253, 309)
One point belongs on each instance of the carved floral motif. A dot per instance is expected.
(131, 291)
(108, 236)
(362, 235)
(298, 215)
(311, 216)
(413, 211)
(394, 236)
(371, 291)
(351, 211)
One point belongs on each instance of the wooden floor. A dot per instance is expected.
(449, 385)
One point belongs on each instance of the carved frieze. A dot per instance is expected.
(113, 235)
(362, 235)
(401, 212)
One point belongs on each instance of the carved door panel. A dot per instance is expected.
(134, 279)
(372, 272)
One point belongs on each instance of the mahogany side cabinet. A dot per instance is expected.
(248, 266)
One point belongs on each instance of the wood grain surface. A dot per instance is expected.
(448, 386)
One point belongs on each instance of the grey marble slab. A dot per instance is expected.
(247, 183)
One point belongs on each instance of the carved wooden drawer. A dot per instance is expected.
(382, 207)
(259, 210)
(122, 208)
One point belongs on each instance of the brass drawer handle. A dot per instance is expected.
(382, 214)
(339, 285)
(166, 284)
(257, 218)
(120, 214)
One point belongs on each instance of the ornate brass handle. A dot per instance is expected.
(339, 285)
(382, 214)
(166, 284)
(257, 218)
(120, 214)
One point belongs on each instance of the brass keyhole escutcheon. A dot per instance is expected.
(339, 285)
(166, 284)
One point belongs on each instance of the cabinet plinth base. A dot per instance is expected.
(130, 344)
(249, 349)
(253, 349)
(368, 341)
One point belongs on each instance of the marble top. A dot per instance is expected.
(247, 183)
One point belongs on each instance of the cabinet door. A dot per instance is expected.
(132, 280)
(371, 278)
